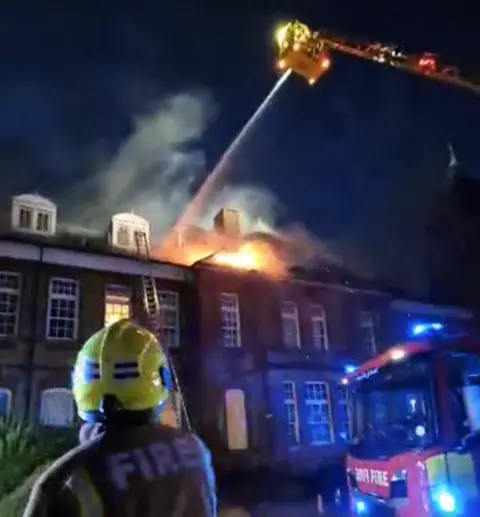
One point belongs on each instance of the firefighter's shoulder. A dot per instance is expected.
(57, 474)
(172, 434)
(185, 443)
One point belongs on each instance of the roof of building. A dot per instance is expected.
(36, 200)
(87, 243)
(322, 268)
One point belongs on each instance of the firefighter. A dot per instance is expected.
(131, 465)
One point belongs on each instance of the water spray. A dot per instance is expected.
(196, 206)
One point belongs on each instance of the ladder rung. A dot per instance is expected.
(152, 309)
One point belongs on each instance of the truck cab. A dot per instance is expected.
(415, 448)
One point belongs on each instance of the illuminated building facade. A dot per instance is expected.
(260, 358)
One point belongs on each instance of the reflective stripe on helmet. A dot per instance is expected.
(126, 370)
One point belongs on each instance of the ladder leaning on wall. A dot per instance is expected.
(151, 305)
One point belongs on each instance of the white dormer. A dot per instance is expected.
(123, 227)
(32, 213)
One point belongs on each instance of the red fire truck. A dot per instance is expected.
(415, 449)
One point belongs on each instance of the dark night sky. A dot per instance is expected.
(357, 159)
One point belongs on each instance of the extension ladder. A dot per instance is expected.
(151, 305)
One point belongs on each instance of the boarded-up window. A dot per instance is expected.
(236, 418)
(57, 408)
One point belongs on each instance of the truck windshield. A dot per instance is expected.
(393, 409)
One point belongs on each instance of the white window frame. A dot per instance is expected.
(225, 309)
(319, 321)
(13, 292)
(289, 314)
(52, 296)
(234, 441)
(167, 307)
(320, 403)
(44, 216)
(367, 324)
(345, 412)
(124, 230)
(291, 408)
(117, 297)
(49, 391)
(35, 214)
(9, 394)
(31, 215)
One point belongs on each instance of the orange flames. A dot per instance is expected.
(252, 256)
(247, 255)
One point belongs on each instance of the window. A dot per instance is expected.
(171, 415)
(291, 411)
(43, 220)
(319, 327)
(117, 303)
(230, 314)
(62, 320)
(367, 331)
(9, 303)
(5, 402)
(319, 415)
(57, 408)
(169, 327)
(290, 326)
(345, 419)
(123, 236)
(236, 419)
(25, 218)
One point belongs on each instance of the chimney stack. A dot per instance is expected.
(227, 222)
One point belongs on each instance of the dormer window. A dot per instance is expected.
(43, 220)
(25, 218)
(35, 214)
(122, 231)
(123, 236)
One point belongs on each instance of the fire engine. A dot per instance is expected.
(415, 414)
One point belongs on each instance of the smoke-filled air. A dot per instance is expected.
(154, 174)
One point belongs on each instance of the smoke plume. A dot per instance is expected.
(155, 169)
(154, 174)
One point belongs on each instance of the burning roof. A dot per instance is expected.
(273, 254)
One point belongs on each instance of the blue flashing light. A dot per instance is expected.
(360, 507)
(424, 328)
(349, 368)
(446, 501)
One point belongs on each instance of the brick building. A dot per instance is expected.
(260, 360)
(56, 289)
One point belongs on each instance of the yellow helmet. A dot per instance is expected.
(122, 362)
